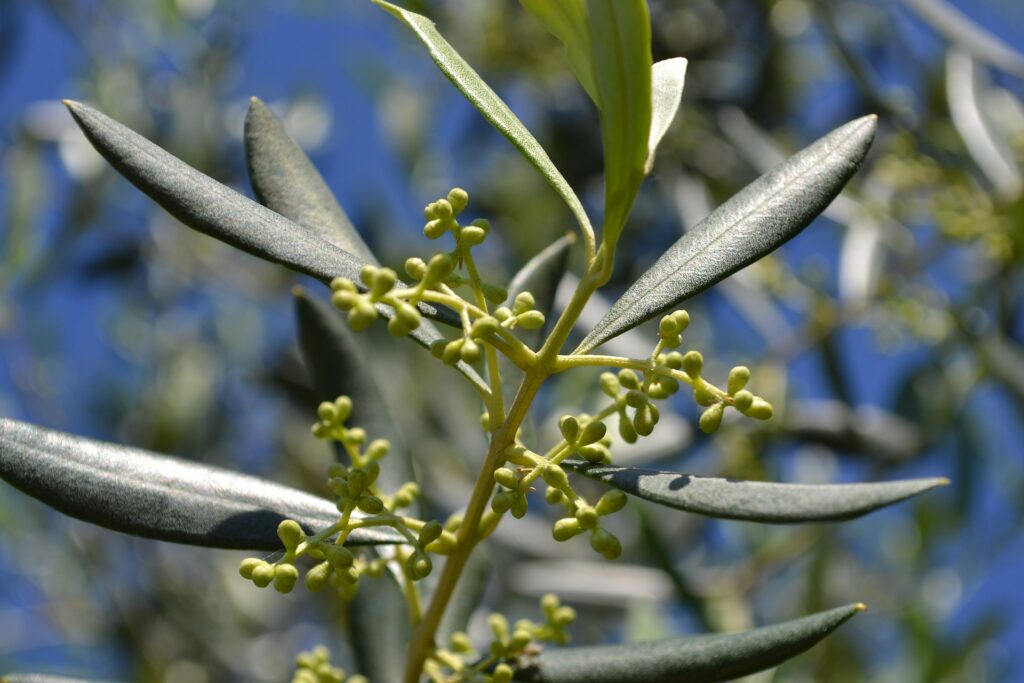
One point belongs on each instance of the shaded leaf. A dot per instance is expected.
(567, 21)
(667, 79)
(156, 496)
(620, 46)
(285, 180)
(378, 627)
(699, 659)
(338, 366)
(755, 222)
(755, 501)
(489, 104)
(216, 210)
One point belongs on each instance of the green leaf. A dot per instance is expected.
(285, 180)
(620, 46)
(667, 79)
(755, 222)
(699, 659)
(567, 21)
(205, 205)
(156, 496)
(490, 105)
(755, 501)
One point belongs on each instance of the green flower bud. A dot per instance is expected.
(439, 267)
(506, 478)
(595, 452)
(482, 223)
(672, 342)
(415, 268)
(419, 566)
(285, 578)
(669, 384)
(626, 430)
(430, 532)
(531, 320)
(743, 399)
(674, 360)
(371, 505)
(356, 481)
(759, 409)
(367, 274)
(521, 637)
(248, 565)
(569, 426)
(555, 476)
(502, 501)
(610, 384)
(587, 517)
(711, 418)
(657, 392)
(553, 496)
(458, 199)
(484, 327)
(628, 379)
(549, 602)
(437, 348)
(682, 319)
(316, 578)
(345, 300)
(524, 301)
(494, 293)
(643, 420)
(341, 284)
(461, 643)
(408, 314)
(519, 506)
(339, 557)
(452, 352)
(502, 673)
(594, 431)
(611, 502)
(668, 327)
(566, 528)
(362, 315)
(344, 407)
(704, 396)
(290, 533)
(327, 412)
(564, 616)
(636, 398)
(442, 209)
(470, 351)
(321, 430)
(601, 540)
(499, 626)
(263, 574)
(693, 363)
(471, 235)
(382, 283)
(502, 314)
(611, 547)
(339, 487)
(738, 378)
(377, 449)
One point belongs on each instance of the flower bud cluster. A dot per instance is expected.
(587, 518)
(315, 667)
(380, 289)
(521, 314)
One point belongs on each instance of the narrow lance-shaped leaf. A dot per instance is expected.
(156, 496)
(567, 21)
(487, 102)
(755, 501)
(620, 47)
(285, 180)
(699, 659)
(203, 204)
(755, 222)
(667, 79)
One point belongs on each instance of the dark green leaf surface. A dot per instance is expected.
(156, 496)
(699, 659)
(755, 222)
(285, 180)
(567, 21)
(755, 501)
(203, 204)
(487, 102)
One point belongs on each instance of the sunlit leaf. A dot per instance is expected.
(487, 102)
(620, 45)
(756, 501)
(755, 222)
(667, 79)
(285, 181)
(699, 659)
(205, 205)
(156, 496)
(567, 21)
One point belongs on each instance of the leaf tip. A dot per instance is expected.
(860, 607)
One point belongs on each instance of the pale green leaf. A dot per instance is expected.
(667, 79)
(567, 21)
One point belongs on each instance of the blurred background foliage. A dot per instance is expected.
(888, 335)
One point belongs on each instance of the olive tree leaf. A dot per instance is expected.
(160, 497)
(755, 501)
(620, 47)
(698, 659)
(755, 222)
(487, 102)
(285, 180)
(205, 205)
(567, 21)
(667, 79)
